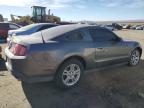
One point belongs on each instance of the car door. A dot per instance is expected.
(109, 49)
(79, 43)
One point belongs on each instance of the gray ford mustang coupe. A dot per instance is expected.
(64, 53)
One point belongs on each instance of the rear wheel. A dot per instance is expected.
(134, 58)
(69, 73)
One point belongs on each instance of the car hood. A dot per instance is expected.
(129, 40)
(132, 43)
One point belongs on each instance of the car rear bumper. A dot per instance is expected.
(19, 68)
(33, 79)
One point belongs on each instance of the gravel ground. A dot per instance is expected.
(121, 87)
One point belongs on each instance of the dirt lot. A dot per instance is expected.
(121, 87)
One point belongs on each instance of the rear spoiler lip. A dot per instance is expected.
(18, 41)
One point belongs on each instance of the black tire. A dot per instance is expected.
(131, 63)
(59, 75)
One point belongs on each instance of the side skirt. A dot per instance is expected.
(107, 67)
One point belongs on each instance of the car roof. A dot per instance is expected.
(45, 24)
(60, 30)
(42, 24)
(33, 23)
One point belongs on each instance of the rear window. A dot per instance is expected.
(4, 25)
(58, 31)
(27, 27)
(75, 36)
(46, 27)
(13, 27)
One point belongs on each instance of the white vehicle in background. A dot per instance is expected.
(140, 28)
(126, 26)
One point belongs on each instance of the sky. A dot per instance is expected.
(79, 10)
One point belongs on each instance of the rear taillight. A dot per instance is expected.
(19, 50)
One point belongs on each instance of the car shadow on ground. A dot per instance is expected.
(2, 65)
(112, 88)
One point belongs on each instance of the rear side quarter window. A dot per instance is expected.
(75, 36)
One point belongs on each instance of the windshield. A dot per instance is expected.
(27, 27)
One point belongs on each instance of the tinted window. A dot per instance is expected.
(102, 35)
(12, 26)
(4, 25)
(75, 36)
(28, 27)
(46, 27)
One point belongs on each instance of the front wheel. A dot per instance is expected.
(134, 58)
(69, 73)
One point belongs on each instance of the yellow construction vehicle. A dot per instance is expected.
(38, 16)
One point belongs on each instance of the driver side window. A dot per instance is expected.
(102, 35)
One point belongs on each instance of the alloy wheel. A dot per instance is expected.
(71, 74)
(135, 57)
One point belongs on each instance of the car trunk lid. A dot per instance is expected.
(27, 40)
(19, 44)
